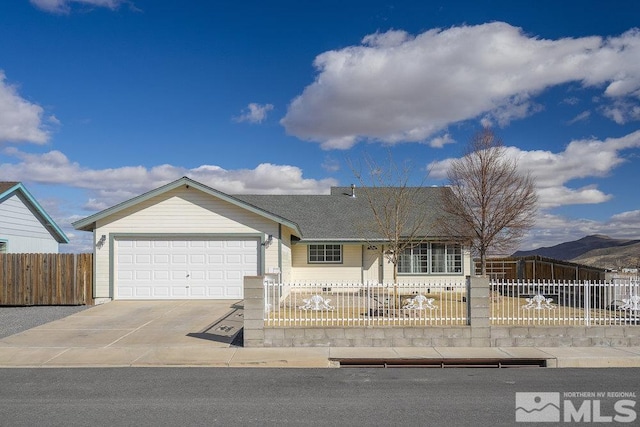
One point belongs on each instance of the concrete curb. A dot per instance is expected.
(315, 357)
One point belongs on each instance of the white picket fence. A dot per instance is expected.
(445, 303)
(371, 304)
(565, 303)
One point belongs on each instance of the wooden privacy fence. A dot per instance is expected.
(535, 267)
(46, 279)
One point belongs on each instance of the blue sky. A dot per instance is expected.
(102, 100)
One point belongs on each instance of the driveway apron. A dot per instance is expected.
(122, 333)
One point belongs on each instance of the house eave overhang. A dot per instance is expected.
(89, 223)
(313, 241)
(48, 222)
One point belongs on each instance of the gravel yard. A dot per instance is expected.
(18, 319)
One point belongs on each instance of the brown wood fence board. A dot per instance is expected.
(46, 279)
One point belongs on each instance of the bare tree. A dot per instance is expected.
(400, 215)
(490, 196)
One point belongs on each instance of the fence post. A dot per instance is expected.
(586, 305)
(254, 300)
(479, 318)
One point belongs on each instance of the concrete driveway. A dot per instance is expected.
(122, 333)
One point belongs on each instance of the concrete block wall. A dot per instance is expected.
(565, 336)
(479, 333)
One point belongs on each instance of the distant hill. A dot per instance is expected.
(613, 258)
(584, 251)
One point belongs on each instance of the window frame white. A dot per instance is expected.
(328, 251)
(446, 262)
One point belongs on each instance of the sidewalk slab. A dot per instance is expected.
(95, 357)
(386, 353)
(593, 357)
(46, 337)
(28, 356)
(472, 352)
(154, 337)
(633, 350)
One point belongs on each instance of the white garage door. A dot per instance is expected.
(183, 269)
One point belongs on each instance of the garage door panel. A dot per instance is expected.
(125, 275)
(142, 292)
(161, 259)
(215, 275)
(195, 259)
(179, 259)
(233, 292)
(232, 259)
(215, 259)
(161, 275)
(216, 291)
(183, 269)
(197, 275)
(233, 275)
(125, 259)
(198, 291)
(143, 259)
(179, 275)
(143, 275)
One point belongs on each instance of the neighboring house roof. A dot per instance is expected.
(89, 223)
(341, 217)
(8, 189)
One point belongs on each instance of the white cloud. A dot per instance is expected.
(553, 171)
(330, 164)
(622, 111)
(395, 87)
(441, 141)
(20, 120)
(572, 100)
(64, 6)
(580, 117)
(254, 113)
(107, 187)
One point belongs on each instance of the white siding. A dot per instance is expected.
(286, 255)
(22, 230)
(180, 211)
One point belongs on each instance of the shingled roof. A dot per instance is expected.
(341, 217)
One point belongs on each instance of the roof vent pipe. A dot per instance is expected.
(353, 191)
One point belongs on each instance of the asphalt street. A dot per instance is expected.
(345, 396)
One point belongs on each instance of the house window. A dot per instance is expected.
(3, 246)
(325, 254)
(414, 259)
(431, 258)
